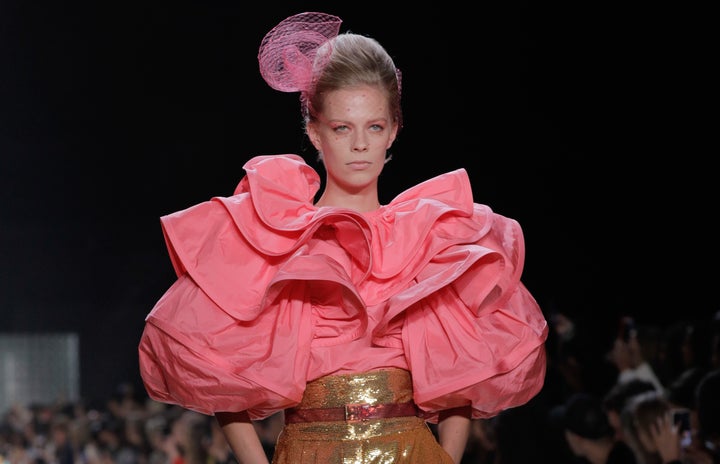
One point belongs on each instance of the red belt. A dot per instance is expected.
(351, 412)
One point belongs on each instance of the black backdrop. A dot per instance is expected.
(578, 119)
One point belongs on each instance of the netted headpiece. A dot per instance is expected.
(288, 53)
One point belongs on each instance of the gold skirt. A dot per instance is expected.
(392, 440)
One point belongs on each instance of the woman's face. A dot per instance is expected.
(352, 133)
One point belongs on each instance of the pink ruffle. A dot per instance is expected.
(264, 276)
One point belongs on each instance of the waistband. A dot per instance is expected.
(373, 387)
(356, 397)
(351, 412)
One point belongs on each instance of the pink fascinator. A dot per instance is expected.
(288, 53)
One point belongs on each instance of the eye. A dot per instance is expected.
(340, 128)
(377, 128)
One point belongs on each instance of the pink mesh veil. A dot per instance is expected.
(288, 52)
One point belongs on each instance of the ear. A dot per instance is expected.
(313, 135)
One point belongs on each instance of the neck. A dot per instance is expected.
(360, 204)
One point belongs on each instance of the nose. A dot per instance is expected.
(360, 144)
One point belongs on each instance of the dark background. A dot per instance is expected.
(585, 121)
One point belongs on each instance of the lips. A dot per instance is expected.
(359, 165)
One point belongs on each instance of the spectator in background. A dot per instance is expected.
(627, 356)
(589, 434)
(61, 450)
(650, 431)
(705, 448)
(687, 350)
(715, 342)
(615, 401)
(112, 441)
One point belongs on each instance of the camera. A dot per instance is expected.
(681, 419)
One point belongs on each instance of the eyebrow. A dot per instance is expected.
(346, 121)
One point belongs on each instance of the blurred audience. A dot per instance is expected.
(615, 401)
(589, 434)
(650, 430)
(628, 358)
(609, 397)
(705, 448)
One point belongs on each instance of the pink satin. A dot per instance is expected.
(273, 292)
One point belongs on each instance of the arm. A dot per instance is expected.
(454, 431)
(240, 434)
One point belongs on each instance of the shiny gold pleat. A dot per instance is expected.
(396, 440)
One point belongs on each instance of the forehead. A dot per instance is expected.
(361, 101)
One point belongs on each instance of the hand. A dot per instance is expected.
(667, 439)
(697, 454)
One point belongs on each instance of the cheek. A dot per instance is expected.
(326, 142)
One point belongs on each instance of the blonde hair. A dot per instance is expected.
(354, 60)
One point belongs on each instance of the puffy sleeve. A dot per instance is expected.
(471, 331)
(234, 332)
(479, 338)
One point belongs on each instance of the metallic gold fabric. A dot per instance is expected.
(398, 440)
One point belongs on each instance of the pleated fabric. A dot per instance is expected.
(273, 292)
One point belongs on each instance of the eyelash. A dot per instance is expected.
(376, 127)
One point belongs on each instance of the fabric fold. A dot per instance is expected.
(271, 288)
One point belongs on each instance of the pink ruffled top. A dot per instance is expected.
(273, 292)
